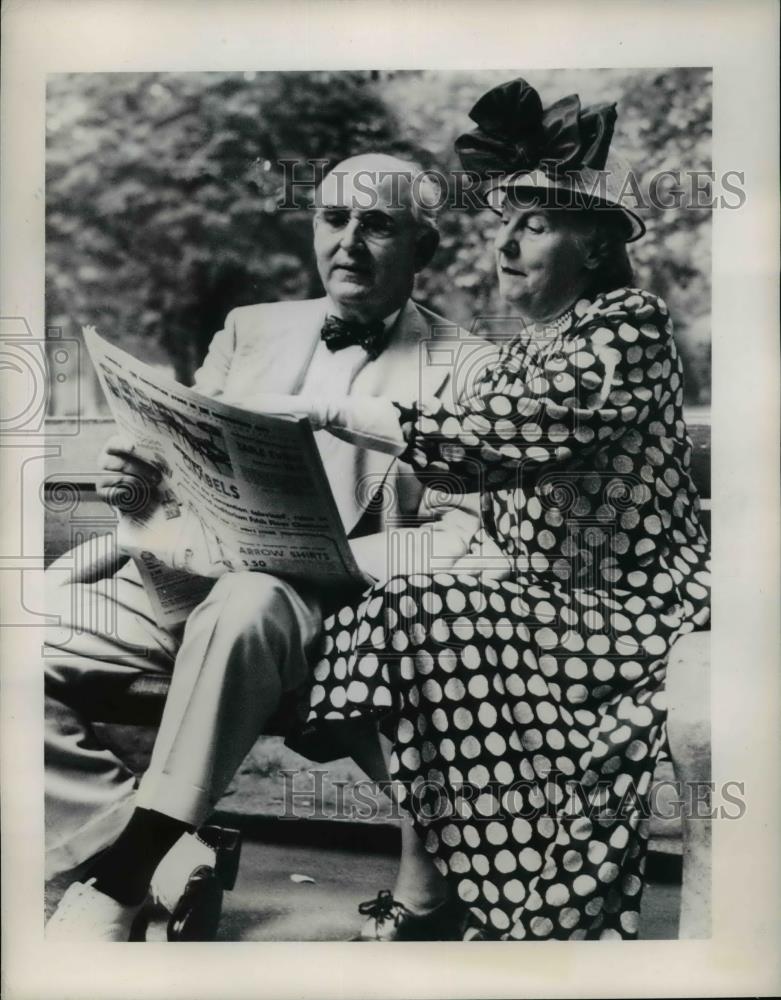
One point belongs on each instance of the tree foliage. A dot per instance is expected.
(162, 193)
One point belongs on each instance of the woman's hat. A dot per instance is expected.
(561, 153)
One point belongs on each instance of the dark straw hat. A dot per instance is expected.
(561, 153)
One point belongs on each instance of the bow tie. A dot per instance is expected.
(338, 333)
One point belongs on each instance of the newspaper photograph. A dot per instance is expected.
(391, 512)
(238, 490)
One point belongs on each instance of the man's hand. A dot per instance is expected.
(285, 404)
(126, 481)
(365, 421)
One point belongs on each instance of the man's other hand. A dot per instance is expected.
(126, 481)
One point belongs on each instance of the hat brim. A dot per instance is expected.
(584, 189)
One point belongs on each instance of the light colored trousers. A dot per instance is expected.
(242, 647)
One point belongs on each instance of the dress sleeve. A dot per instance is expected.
(210, 378)
(537, 408)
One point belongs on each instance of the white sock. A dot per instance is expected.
(172, 873)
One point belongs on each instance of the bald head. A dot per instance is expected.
(372, 178)
(373, 230)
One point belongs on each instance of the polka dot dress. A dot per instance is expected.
(527, 714)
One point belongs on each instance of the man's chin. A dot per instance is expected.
(349, 290)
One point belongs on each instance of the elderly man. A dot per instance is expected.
(249, 641)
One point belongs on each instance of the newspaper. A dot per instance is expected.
(238, 491)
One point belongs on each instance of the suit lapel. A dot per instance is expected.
(406, 371)
(285, 353)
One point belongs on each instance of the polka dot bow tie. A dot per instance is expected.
(338, 333)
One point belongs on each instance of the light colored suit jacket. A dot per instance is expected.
(269, 348)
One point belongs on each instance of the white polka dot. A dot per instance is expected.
(495, 744)
(620, 837)
(557, 895)
(598, 644)
(454, 689)
(603, 670)
(503, 772)
(431, 602)
(478, 686)
(631, 670)
(608, 872)
(405, 731)
(581, 828)
(514, 890)
(546, 713)
(463, 718)
(459, 863)
(584, 884)
(530, 859)
(456, 601)
(431, 690)
(531, 739)
(655, 645)
(522, 713)
(499, 919)
(541, 926)
(521, 830)
(662, 583)
(448, 660)
(471, 836)
(481, 866)
(631, 885)
(505, 862)
(470, 657)
(486, 804)
(338, 697)
(500, 405)
(468, 890)
(440, 631)
(448, 749)
(479, 775)
(569, 917)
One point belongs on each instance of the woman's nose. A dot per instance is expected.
(507, 242)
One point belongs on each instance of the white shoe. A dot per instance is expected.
(85, 914)
(171, 875)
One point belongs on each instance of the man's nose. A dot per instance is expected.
(351, 234)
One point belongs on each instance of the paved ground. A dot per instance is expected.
(267, 905)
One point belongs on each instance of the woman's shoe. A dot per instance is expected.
(196, 914)
(390, 920)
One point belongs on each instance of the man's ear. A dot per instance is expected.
(595, 255)
(425, 248)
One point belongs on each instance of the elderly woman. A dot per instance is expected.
(526, 714)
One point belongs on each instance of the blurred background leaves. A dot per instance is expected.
(162, 192)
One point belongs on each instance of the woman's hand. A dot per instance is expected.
(126, 481)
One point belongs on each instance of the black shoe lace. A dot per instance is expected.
(383, 908)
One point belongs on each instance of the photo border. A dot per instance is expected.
(740, 41)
